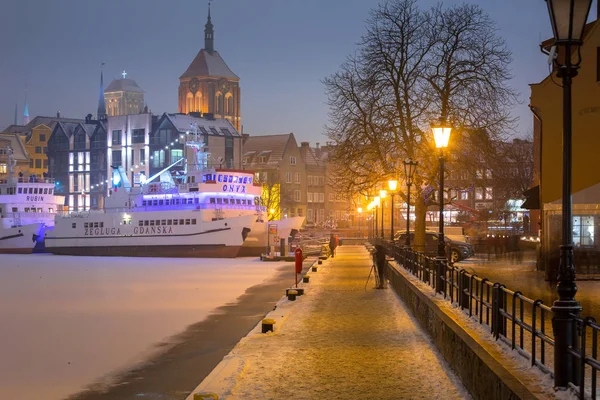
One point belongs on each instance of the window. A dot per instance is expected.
(321, 197)
(138, 135)
(310, 215)
(262, 160)
(583, 230)
(176, 155)
(116, 137)
(488, 173)
(331, 197)
(297, 195)
(292, 160)
(310, 180)
(288, 177)
(142, 156)
(297, 177)
(478, 193)
(116, 157)
(31, 163)
(479, 174)
(158, 159)
(464, 195)
(42, 137)
(309, 197)
(38, 163)
(38, 150)
(488, 193)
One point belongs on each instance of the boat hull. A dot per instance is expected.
(179, 251)
(256, 243)
(101, 234)
(19, 239)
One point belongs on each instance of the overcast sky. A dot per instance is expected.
(280, 49)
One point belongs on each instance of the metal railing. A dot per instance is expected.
(522, 323)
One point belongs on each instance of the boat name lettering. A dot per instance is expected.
(102, 231)
(147, 230)
(234, 188)
(34, 198)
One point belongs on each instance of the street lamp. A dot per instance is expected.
(369, 208)
(359, 212)
(410, 167)
(392, 184)
(382, 195)
(568, 18)
(376, 202)
(441, 135)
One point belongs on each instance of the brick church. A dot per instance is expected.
(208, 86)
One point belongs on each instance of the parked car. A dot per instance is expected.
(458, 250)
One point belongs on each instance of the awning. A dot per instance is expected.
(532, 196)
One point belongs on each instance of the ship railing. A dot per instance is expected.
(33, 179)
(28, 215)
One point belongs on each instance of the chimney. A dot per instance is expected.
(318, 145)
(245, 137)
(58, 114)
(304, 144)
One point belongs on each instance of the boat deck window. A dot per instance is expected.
(74, 225)
(20, 190)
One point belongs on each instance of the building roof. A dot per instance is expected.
(39, 120)
(123, 85)
(69, 128)
(184, 123)
(308, 155)
(207, 64)
(272, 145)
(14, 140)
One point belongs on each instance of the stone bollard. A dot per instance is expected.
(206, 396)
(305, 279)
(267, 325)
(299, 291)
(314, 269)
(291, 295)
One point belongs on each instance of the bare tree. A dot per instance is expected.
(411, 67)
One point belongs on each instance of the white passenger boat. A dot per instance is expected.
(209, 213)
(27, 209)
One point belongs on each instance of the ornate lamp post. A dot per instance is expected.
(376, 202)
(359, 213)
(410, 167)
(369, 208)
(393, 185)
(441, 135)
(568, 18)
(382, 195)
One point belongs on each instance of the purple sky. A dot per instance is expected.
(280, 49)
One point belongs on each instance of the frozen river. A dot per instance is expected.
(69, 321)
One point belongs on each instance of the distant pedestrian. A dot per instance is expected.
(380, 264)
(332, 244)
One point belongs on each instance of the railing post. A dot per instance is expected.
(501, 307)
(464, 285)
(440, 283)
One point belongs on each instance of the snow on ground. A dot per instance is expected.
(341, 340)
(68, 321)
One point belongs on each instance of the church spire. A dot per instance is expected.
(101, 104)
(209, 40)
(26, 110)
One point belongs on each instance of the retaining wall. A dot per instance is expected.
(480, 372)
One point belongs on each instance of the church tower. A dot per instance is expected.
(123, 97)
(101, 114)
(208, 85)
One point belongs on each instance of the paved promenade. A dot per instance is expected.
(338, 341)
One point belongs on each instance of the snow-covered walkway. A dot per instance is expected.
(338, 341)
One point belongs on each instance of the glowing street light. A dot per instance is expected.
(441, 135)
(392, 185)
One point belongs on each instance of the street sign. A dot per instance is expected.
(272, 229)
